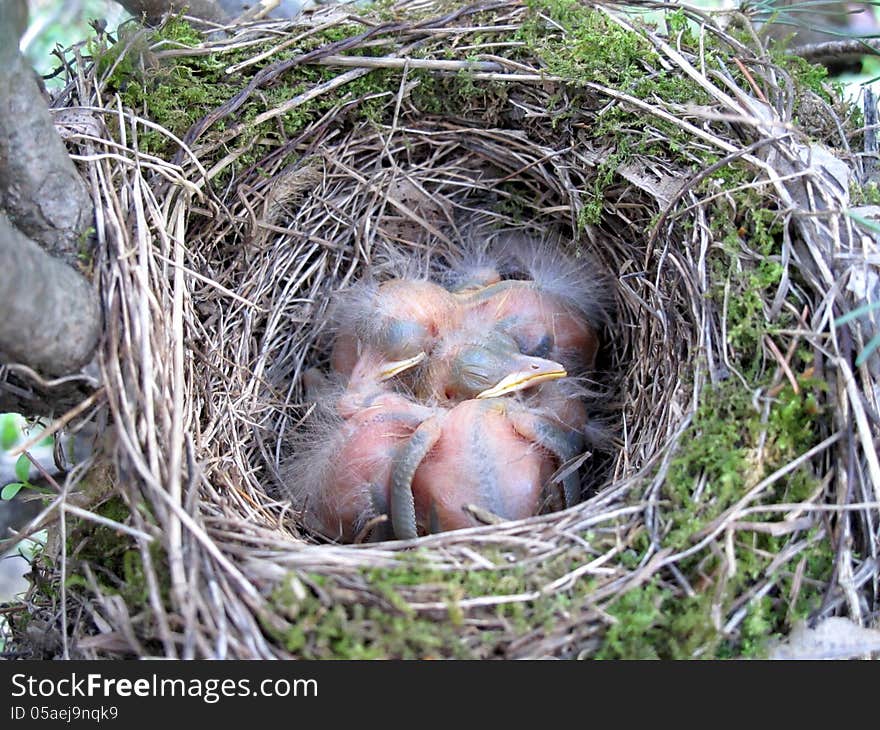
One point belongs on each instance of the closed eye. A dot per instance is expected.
(477, 376)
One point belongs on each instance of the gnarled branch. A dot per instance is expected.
(153, 10)
(40, 189)
(51, 319)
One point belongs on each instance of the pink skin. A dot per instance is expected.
(485, 447)
(356, 485)
(358, 454)
(400, 319)
(365, 387)
(464, 356)
(345, 353)
(481, 452)
(416, 300)
(542, 323)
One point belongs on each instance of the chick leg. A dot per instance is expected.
(410, 455)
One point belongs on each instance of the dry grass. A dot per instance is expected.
(214, 296)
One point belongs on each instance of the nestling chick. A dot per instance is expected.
(455, 395)
(341, 469)
(472, 362)
(495, 454)
(552, 304)
(400, 319)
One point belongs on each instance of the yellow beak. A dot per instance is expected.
(522, 379)
(390, 369)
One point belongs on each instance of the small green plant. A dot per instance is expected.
(874, 342)
(867, 308)
(14, 430)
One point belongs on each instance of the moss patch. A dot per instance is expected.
(328, 623)
(117, 565)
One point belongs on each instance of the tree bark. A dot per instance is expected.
(217, 11)
(153, 10)
(14, 16)
(51, 318)
(40, 189)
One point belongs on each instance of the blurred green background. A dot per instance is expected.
(62, 23)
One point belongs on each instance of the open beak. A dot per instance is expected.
(534, 370)
(394, 367)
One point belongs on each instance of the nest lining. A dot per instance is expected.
(216, 295)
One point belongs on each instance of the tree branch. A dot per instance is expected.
(51, 319)
(153, 10)
(40, 189)
(848, 50)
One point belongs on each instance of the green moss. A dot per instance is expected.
(117, 566)
(586, 47)
(177, 32)
(384, 630)
(385, 626)
(868, 194)
(595, 48)
(807, 75)
(731, 448)
(459, 95)
(90, 540)
(654, 620)
(178, 93)
(747, 265)
(654, 623)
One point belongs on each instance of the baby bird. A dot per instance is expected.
(401, 319)
(493, 453)
(419, 322)
(455, 394)
(472, 362)
(551, 303)
(340, 474)
(542, 324)
(366, 433)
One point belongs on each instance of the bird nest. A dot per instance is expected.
(244, 175)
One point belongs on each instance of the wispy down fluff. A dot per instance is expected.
(576, 279)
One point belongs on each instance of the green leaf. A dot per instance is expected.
(10, 430)
(862, 221)
(858, 312)
(10, 490)
(23, 468)
(872, 345)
